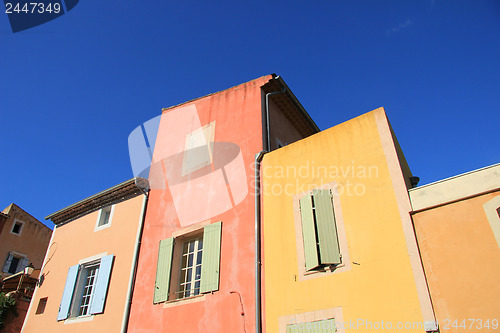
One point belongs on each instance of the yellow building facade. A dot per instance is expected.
(339, 251)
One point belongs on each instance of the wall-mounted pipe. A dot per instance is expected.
(258, 159)
(135, 260)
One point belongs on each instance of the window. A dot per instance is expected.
(89, 274)
(104, 217)
(42, 303)
(321, 246)
(320, 233)
(188, 265)
(86, 288)
(15, 263)
(190, 269)
(17, 227)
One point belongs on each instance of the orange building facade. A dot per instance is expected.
(23, 240)
(87, 275)
(196, 271)
(457, 224)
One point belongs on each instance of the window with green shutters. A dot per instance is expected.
(188, 265)
(319, 230)
(320, 326)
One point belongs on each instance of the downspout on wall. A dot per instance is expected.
(135, 259)
(258, 159)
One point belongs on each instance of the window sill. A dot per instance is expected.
(78, 319)
(187, 300)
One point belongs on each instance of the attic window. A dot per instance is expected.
(17, 228)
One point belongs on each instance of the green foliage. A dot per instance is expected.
(6, 305)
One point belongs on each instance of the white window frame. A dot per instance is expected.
(193, 276)
(20, 230)
(100, 216)
(81, 286)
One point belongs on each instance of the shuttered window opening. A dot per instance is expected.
(15, 263)
(319, 230)
(86, 288)
(320, 326)
(188, 265)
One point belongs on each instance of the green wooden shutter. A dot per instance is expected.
(309, 233)
(210, 261)
(163, 268)
(327, 230)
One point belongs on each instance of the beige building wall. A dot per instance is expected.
(78, 241)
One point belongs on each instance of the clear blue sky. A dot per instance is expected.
(72, 90)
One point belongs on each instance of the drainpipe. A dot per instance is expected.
(133, 271)
(258, 159)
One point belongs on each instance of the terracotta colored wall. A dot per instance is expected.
(380, 283)
(75, 241)
(462, 263)
(32, 242)
(15, 320)
(237, 115)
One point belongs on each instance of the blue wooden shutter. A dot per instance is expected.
(329, 252)
(309, 233)
(163, 268)
(101, 286)
(7, 263)
(210, 260)
(23, 264)
(67, 296)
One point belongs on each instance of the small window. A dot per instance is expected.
(104, 217)
(41, 305)
(17, 227)
(86, 288)
(188, 265)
